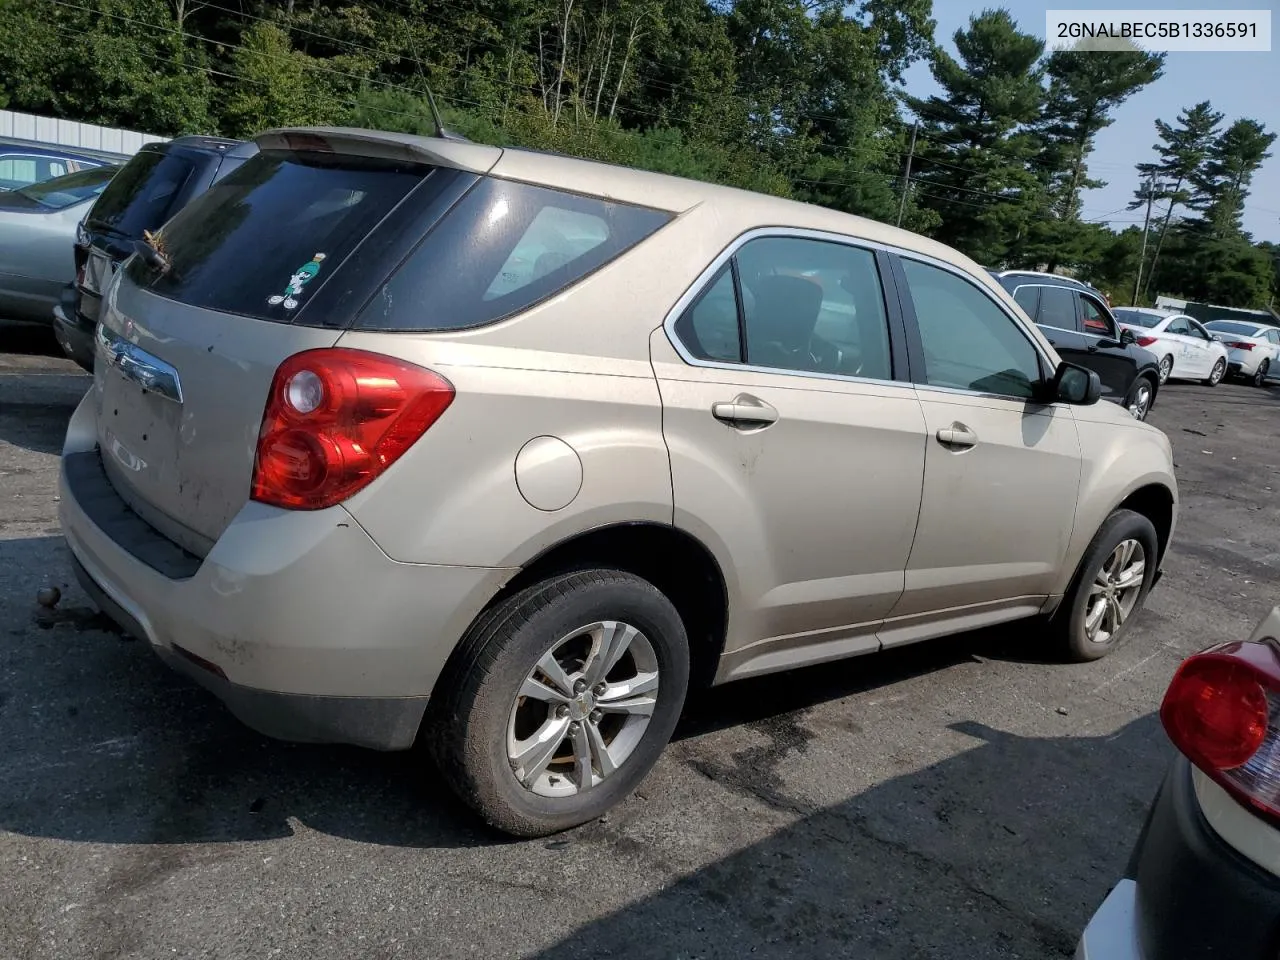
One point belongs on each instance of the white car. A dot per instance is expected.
(1203, 880)
(1253, 349)
(1183, 347)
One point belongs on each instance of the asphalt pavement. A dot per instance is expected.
(967, 798)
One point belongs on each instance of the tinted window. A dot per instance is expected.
(260, 242)
(1179, 325)
(503, 248)
(1239, 329)
(62, 192)
(709, 327)
(969, 342)
(1273, 336)
(1095, 318)
(815, 306)
(143, 195)
(1138, 318)
(1057, 308)
(1028, 298)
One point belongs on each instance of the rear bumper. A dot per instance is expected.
(1187, 895)
(74, 333)
(296, 620)
(1243, 363)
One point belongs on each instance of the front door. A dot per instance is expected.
(1188, 357)
(796, 455)
(1106, 354)
(1001, 470)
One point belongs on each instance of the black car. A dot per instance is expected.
(1081, 327)
(159, 181)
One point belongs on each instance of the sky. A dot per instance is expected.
(1236, 84)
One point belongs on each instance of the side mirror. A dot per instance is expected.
(1127, 336)
(1076, 385)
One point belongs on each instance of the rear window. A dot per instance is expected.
(262, 241)
(503, 248)
(1239, 329)
(1137, 318)
(62, 192)
(143, 194)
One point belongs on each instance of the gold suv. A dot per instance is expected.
(398, 440)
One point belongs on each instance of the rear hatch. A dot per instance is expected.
(256, 269)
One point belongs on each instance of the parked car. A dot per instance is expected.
(1204, 878)
(1186, 350)
(37, 231)
(1253, 349)
(354, 471)
(24, 162)
(1079, 325)
(153, 186)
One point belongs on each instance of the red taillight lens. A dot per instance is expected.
(1221, 711)
(336, 419)
(1146, 341)
(1240, 345)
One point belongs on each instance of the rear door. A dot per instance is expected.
(797, 445)
(1001, 469)
(190, 341)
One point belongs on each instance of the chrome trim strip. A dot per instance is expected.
(696, 288)
(145, 369)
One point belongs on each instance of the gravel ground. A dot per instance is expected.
(964, 799)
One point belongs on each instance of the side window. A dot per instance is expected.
(709, 326)
(1274, 336)
(1057, 308)
(17, 171)
(815, 306)
(1095, 318)
(1179, 326)
(1199, 331)
(969, 342)
(56, 169)
(1028, 298)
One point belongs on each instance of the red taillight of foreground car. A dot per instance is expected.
(1146, 341)
(1222, 711)
(336, 419)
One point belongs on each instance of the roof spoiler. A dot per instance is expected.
(437, 151)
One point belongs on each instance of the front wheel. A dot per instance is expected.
(1166, 368)
(1260, 375)
(1217, 373)
(1139, 402)
(1109, 588)
(560, 700)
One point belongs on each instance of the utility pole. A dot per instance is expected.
(906, 179)
(1146, 225)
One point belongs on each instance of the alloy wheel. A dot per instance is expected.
(1260, 375)
(1115, 590)
(1216, 374)
(583, 709)
(1166, 368)
(1141, 401)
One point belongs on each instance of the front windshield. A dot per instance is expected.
(1138, 318)
(62, 192)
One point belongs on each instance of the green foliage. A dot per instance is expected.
(276, 85)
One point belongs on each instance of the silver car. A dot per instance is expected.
(393, 436)
(37, 237)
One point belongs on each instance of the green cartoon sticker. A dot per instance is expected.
(301, 277)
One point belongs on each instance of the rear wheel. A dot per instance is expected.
(1260, 375)
(560, 700)
(1166, 367)
(1217, 373)
(1139, 401)
(1109, 588)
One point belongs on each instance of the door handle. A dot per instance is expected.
(957, 435)
(744, 411)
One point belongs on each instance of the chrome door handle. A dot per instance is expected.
(745, 411)
(957, 435)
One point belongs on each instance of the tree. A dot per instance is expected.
(1182, 152)
(276, 85)
(1222, 182)
(975, 145)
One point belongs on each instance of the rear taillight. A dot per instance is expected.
(336, 419)
(1222, 710)
(1239, 345)
(1146, 341)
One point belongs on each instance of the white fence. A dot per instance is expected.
(68, 133)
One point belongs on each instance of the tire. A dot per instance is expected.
(1166, 368)
(1136, 403)
(1071, 620)
(1216, 374)
(1260, 375)
(479, 717)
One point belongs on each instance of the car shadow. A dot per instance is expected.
(37, 398)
